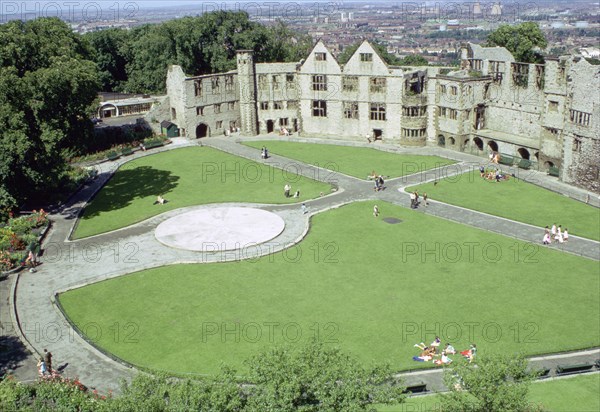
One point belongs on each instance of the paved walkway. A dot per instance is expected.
(70, 264)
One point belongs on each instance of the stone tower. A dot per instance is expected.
(247, 87)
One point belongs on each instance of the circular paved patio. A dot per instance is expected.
(219, 229)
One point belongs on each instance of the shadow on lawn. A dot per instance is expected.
(129, 184)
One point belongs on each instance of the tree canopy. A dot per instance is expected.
(313, 378)
(497, 383)
(47, 94)
(137, 61)
(521, 40)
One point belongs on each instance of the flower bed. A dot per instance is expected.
(18, 236)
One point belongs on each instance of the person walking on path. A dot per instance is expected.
(48, 360)
(303, 208)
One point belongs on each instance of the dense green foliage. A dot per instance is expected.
(47, 94)
(498, 383)
(521, 40)
(137, 61)
(388, 58)
(313, 378)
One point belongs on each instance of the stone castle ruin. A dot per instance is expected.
(537, 116)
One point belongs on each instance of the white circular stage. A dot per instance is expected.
(219, 229)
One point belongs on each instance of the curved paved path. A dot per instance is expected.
(69, 264)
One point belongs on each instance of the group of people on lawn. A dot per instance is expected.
(493, 175)
(430, 353)
(555, 234)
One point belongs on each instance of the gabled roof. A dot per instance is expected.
(166, 124)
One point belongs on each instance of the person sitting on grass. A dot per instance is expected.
(445, 360)
(449, 349)
(160, 200)
(470, 353)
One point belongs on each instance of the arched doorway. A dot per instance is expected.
(493, 146)
(537, 156)
(201, 130)
(479, 143)
(441, 140)
(548, 165)
(270, 126)
(451, 141)
(524, 153)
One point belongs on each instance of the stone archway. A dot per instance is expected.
(451, 141)
(493, 146)
(441, 141)
(524, 153)
(202, 130)
(548, 165)
(478, 143)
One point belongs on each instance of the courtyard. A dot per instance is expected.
(374, 286)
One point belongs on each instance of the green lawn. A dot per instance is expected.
(576, 394)
(353, 161)
(185, 177)
(517, 200)
(372, 288)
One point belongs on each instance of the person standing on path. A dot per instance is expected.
(48, 360)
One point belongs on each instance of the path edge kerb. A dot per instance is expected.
(14, 317)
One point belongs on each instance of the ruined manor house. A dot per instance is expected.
(537, 116)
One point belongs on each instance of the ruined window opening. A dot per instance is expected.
(580, 118)
(319, 82)
(217, 108)
(320, 57)
(284, 121)
(231, 106)
(292, 104)
(577, 144)
(229, 83)
(216, 85)
(219, 124)
(290, 78)
(198, 88)
(350, 83)
(277, 105)
(552, 106)
(377, 84)
(264, 105)
(200, 111)
(276, 82)
(173, 113)
(351, 110)
(319, 108)
(520, 74)
(377, 111)
(366, 57)
(539, 76)
(262, 81)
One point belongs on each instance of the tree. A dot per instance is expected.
(107, 49)
(521, 40)
(414, 60)
(47, 94)
(203, 45)
(316, 378)
(496, 383)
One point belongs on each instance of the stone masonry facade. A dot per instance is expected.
(546, 115)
